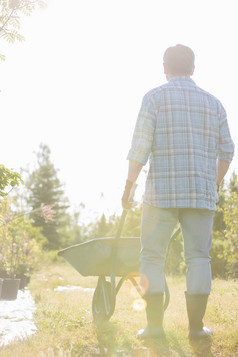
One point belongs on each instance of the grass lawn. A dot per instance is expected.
(66, 328)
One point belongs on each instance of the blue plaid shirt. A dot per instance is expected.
(182, 130)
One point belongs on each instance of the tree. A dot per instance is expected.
(224, 251)
(8, 178)
(74, 235)
(219, 223)
(101, 227)
(46, 189)
(231, 219)
(233, 184)
(11, 12)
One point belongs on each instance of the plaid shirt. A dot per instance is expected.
(182, 130)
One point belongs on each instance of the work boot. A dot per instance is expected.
(196, 307)
(155, 314)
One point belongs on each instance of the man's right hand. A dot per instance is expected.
(126, 195)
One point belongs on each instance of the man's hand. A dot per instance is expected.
(126, 204)
(217, 194)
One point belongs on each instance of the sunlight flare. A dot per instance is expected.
(139, 304)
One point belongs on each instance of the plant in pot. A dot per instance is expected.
(8, 180)
(10, 284)
(20, 248)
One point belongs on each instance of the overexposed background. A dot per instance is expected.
(77, 82)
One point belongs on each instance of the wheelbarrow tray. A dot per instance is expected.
(94, 257)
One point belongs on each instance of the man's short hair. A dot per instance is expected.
(179, 60)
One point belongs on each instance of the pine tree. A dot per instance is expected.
(45, 188)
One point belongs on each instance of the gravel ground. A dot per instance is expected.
(16, 318)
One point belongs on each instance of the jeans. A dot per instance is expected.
(157, 227)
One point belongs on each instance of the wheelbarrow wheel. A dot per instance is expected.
(102, 305)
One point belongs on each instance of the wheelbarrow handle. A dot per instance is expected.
(125, 211)
(114, 259)
(121, 224)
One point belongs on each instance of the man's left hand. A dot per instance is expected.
(126, 204)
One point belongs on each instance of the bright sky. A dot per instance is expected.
(77, 83)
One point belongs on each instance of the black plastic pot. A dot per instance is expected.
(24, 281)
(10, 289)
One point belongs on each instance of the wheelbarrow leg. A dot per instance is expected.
(106, 296)
(102, 304)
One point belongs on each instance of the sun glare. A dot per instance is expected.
(139, 304)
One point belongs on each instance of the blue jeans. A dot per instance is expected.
(157, 227)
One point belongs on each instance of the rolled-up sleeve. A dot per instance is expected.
(226, 145)
(143, 136)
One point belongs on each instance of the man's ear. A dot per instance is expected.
(165, 69)
(192, 71)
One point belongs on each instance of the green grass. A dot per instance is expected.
(65, 326)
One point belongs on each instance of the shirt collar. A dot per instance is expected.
(182, 78)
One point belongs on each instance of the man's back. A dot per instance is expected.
(187, 129)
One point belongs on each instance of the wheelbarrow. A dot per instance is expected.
(109, 258)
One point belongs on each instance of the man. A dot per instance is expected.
(183, 131)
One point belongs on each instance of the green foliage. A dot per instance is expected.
(101, 228)
(231, 220)
(233, 184)
(219, 223)
(11, 12)
(8, 179)
(20, 243)
(224, 251)
(45, 188)
(108, 227)
(219, 253)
